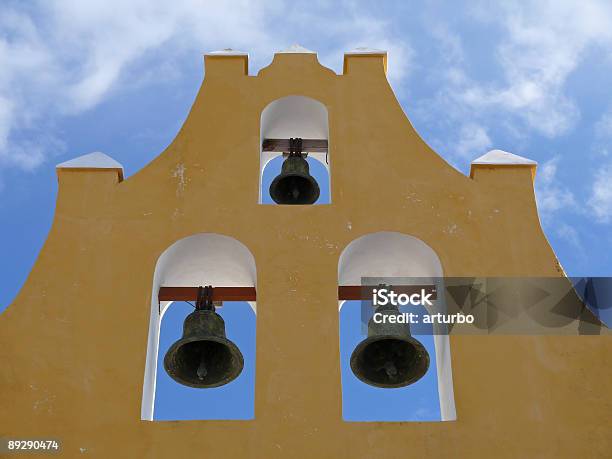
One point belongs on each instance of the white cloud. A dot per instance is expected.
(600, 201)
(603, 134)
(473, 141)
(569, 234)
(358, 29)
(603, 127)
(537, 45)
(6, 114)
(544, 42)
(64, 57)
(451, 45)
(551, 195)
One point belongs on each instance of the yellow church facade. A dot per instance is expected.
(79, 343)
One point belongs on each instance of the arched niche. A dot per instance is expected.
(200, 259)
(393, 254)
(294, 116)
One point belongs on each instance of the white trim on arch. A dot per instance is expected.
(393, 254)
(293, 116)
(200, 259)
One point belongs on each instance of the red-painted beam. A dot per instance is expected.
(219, 294)
(345, 292)
(282, 145)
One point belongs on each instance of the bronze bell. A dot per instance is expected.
(294, 185)
(389, 357)
(204, 357)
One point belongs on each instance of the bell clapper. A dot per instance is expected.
(202, 371)
(390, 369)
(204, 302)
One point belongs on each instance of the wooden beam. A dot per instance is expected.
(345, 292)
(219, 294)
(282, 145)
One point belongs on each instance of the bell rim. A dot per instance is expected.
(235, 350)
(371, 339)
(291, 174)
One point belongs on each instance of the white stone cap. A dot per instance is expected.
(228, 52)
(503, 158)
(296, 49)
(95, 160)
(364, 50)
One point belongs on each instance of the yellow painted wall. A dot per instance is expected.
(73, 343)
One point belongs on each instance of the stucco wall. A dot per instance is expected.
(74, 341)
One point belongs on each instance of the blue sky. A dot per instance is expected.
(527, 77)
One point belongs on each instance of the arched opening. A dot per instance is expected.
(408, 260)
(201, 259)
(295, 117)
